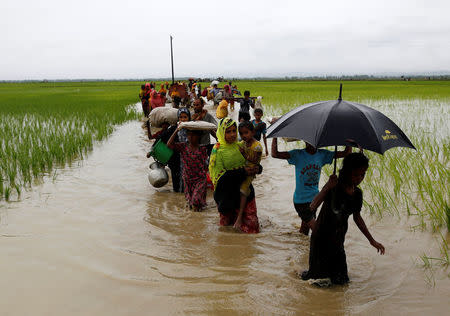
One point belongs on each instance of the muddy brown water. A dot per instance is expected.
(97, 239)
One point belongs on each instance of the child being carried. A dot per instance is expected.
(251, 149)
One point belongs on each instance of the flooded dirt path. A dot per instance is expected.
(97, 239)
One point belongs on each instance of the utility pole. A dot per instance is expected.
(171, 58)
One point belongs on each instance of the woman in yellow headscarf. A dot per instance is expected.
(227, 172)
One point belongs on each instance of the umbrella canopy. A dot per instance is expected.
(330, 123)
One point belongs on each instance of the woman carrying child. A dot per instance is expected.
(227, 171)
(342, 198)
(194, 160)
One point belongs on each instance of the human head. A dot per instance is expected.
(226, 131)
(231, 134)
(353, 169)
(310, 148)
(198, 105)
(143, 86)
(226, 87)
(246, 130)
(176, 101)
(258, 113)
(193, 136)
(184, 115)
(246, 94)
(147, 85)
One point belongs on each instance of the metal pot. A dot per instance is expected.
(156, 165)
(158, 177)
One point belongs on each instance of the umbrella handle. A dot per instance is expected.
(335, 159)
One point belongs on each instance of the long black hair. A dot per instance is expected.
(248, 125)
(352, 162)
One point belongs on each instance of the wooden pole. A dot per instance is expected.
(171, 58)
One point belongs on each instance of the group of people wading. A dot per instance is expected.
(231, 164)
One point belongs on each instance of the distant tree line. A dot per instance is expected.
(285, 78)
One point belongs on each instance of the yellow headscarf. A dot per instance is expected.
(224, 156)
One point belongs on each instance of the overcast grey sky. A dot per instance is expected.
(130, 39)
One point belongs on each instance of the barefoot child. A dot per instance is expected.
(260, 127)
(308, 166)
(342, 198)
(194, 158)
(251, 149)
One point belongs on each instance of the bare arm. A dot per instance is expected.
(363, 228)
(265, 144)
(320, 197)
(170, 142)
(279, 154)
(254, 158)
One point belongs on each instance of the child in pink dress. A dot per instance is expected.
(194, 158)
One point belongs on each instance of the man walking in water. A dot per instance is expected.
(201, 114)
(308, 164)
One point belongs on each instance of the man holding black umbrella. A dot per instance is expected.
(308, 164)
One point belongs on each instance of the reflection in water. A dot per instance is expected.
(100, 240)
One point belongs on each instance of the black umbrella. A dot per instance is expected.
(330, 123)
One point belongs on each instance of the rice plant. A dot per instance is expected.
(44, 125)
(402, 182)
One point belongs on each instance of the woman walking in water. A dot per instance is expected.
(342, 198)
(227, 170)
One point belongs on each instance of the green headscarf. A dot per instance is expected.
(224, 156)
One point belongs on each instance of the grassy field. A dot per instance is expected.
(46, 125)
(401, 182)
(286, 94)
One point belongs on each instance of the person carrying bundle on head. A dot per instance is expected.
(194, 157)
(246, 103)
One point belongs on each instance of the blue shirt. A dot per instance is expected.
(260, 128)
(307, 172)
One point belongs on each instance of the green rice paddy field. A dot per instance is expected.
(44, 126)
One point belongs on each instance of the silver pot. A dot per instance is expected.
(158, 176)
(156, 165)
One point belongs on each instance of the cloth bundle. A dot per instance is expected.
(198, 125)
(163, 114)
(222, 109)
